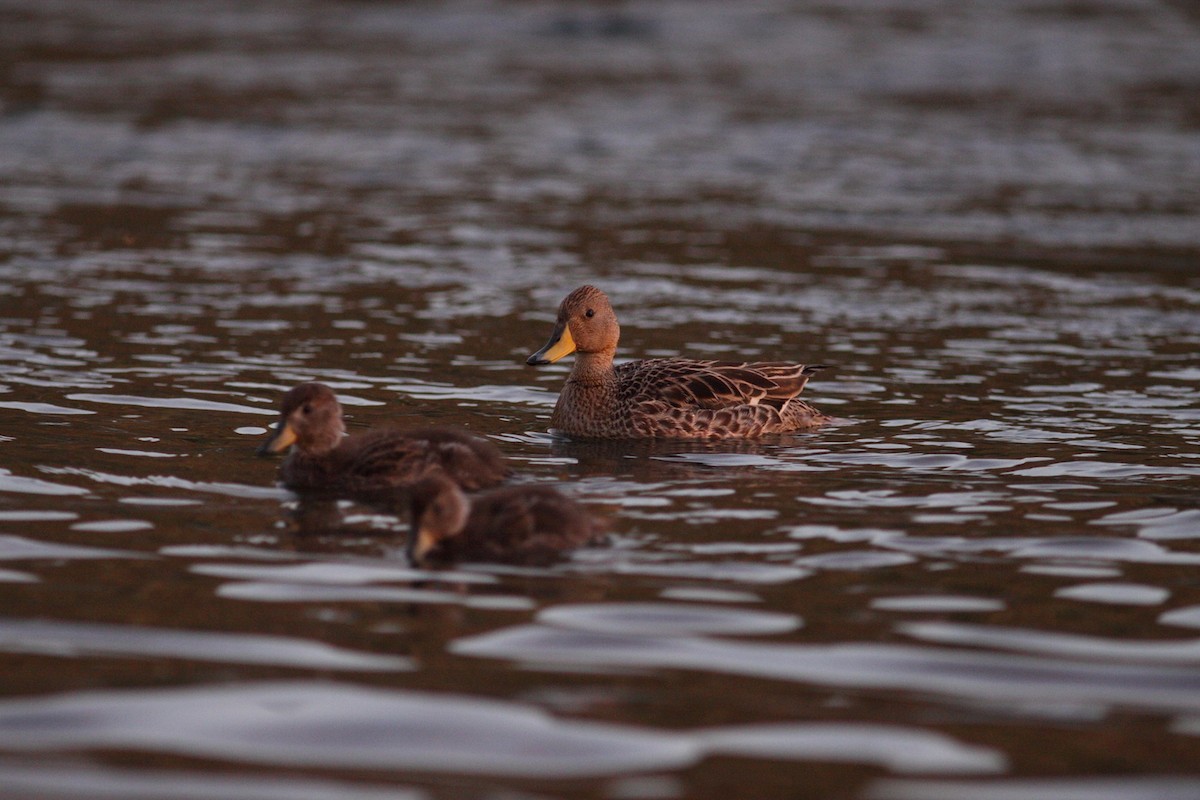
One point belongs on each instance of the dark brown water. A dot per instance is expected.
(982, 585)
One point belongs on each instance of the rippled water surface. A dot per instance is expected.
(981, 583)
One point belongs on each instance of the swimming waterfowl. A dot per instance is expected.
(526, 524)
(323, 458)
(665, 397)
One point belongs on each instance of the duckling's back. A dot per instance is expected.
(386, 460)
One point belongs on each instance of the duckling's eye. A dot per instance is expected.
(306, 409)
(591, 312)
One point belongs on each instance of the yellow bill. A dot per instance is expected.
(560, 344)
(420, 546)
(283, 438)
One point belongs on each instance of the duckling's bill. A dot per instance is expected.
(283, 437)
(561, 344)
(420, 544)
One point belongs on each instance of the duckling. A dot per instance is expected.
(665, 397)
(324, 459)
(525, 524)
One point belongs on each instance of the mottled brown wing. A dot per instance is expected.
(526, 523)
(384, 458)
(469, 460)
(564, 523)
(669, 420)
(393, 458)
(501, 524)
(790, 379)
(714, 384)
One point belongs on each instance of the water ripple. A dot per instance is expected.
(67, 780)
(1150, 651)
(653, 619)
(186, 403)
(977, 676)
(323, 724)
(335, 725)
(1188, 617)
(517, 395)
(855, 560)
(172, 482)
(18, 548)
(45, 408)
(80, 640)
(273, 592)
(1134, 594)
(1158, 523)
(1074, 548)
(941, 604)
(21, 485)
(1149, 787)
(339, 573)
(735, 571)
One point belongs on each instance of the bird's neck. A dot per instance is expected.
(324, 441)
(593, 369)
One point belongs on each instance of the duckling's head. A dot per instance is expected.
(586, 322)
(310, 417)
(439, 511)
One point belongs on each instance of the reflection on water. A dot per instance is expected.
(1114, 788)
(88, 782)
(983, 677)
(981, 215)
(76, 640)
(291, 723)
(654, 619)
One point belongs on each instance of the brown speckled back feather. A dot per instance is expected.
(682, 398)
(713, 384)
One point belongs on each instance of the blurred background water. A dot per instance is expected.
(981, 585)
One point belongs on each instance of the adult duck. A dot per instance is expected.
(665, 397)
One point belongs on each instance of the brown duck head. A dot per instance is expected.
(439, 511)
(586, 323)
(310, 417)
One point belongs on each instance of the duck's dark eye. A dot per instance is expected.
(306, 409)
(591, 312)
